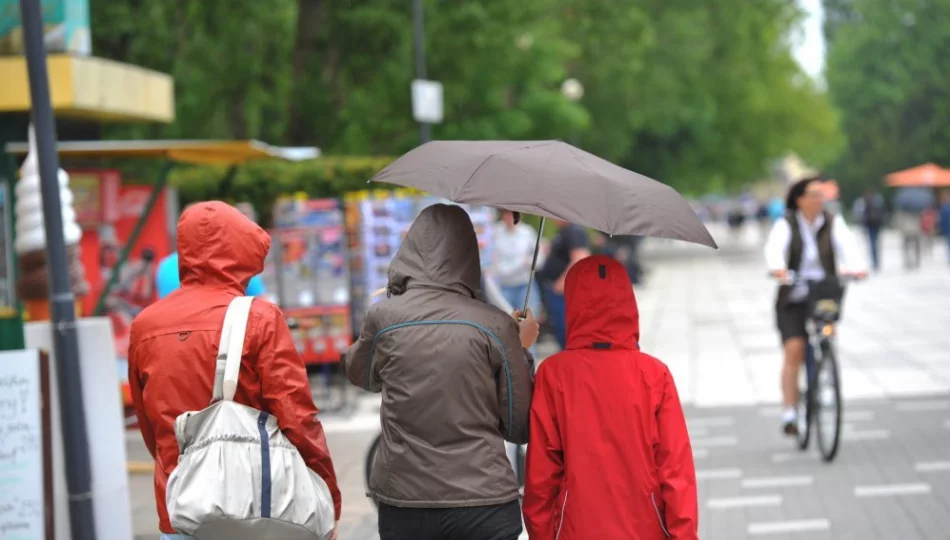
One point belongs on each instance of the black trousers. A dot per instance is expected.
(501, 522)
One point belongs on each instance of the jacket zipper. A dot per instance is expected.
(561, 521)
(658, 516)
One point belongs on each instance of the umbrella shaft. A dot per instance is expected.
(534, 263)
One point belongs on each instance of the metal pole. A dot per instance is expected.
(534, 262)
(419, 48)
(62, 300)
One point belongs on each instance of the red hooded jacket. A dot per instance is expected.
(609, 455)
(174, 343)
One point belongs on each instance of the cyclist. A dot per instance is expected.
(815, 245)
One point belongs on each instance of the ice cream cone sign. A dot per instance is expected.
(30, 240)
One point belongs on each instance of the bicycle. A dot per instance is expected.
(819, 398)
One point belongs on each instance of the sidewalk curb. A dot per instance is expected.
(140, 467)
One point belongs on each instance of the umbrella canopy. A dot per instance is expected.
(914, 199)
(550, 179)
(929, 175)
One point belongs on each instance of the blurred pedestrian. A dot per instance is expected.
(816, 246)
(455, 375)
(569, 245)
(928, 227)
(735, 219)
(627, 251)
(873, 216)
(944, 217)
(627, 474)
(908, 224)
(762, 218)
(776, 209)
(174, 344)
(513, 246)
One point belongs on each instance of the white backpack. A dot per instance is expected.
(238, 477)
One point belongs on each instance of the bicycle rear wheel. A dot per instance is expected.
(828, 404)
(370, 460)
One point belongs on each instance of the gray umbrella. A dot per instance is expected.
(550, 179)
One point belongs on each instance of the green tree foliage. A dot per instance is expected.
(697, 94)
(837, 13)
(230, 61)
(886, 74)
(714, 94)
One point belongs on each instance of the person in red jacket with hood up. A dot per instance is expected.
(609, 455)
(174, 343)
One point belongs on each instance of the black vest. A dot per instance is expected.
(826, 250)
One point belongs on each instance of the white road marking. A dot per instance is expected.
(947, 424)
(778, 527)
(718, 474)
(728, 440)
(858, 416)
(932, 466)
(922, 406)
(887, 490)
(784, 457)
(866, 435)
(770, 411)
(711, 421)
(744, 502)
(776, 481)
(698, 432)
(700, 453)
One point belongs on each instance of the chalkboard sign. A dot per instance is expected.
(25, 462)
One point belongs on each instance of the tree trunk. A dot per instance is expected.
(311, 19)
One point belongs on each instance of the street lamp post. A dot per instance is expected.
(62, 301)
(419, 48)
(573, 91)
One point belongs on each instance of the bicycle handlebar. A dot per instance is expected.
(793, 278)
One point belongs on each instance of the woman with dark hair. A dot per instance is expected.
(815, 245)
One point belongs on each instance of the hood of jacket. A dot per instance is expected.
(601, 308)
(440, 250)
(218, 246)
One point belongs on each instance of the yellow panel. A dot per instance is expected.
(196, 152)
(15, 89)
(94, 88)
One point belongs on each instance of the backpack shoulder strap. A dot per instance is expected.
(230, 347)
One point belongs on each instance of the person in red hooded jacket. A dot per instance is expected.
(174, 343)
(608, 454)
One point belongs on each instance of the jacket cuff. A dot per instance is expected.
(529, 359)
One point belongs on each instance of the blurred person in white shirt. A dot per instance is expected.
(513, 245)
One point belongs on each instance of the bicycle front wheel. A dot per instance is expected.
(828, 406)
(805, 408)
